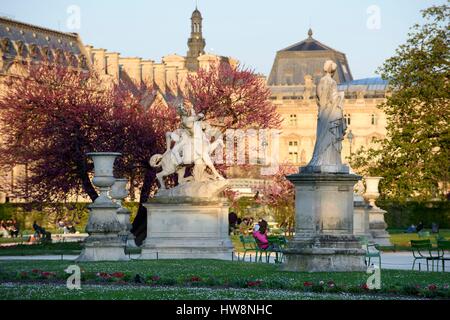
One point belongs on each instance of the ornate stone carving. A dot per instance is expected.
(192, 146)
(331, 126)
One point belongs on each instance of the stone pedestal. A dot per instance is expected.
(187, 228)
(123, 215)
(378, 227)
(324, 239)
(103, 242)
(361, 226)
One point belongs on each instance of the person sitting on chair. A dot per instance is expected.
(420, 226)
(260, 235)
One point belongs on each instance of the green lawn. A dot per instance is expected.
(66, 248)
(10, 291)
(400, 240)
(238, 279)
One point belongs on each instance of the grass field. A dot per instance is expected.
(400, 240)
(219, 279)
(10, 291)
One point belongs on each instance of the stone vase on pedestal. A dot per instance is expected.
(324, 239)
(118, 193)
(377, 224)
(103, 243)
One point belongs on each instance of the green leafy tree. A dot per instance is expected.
(414, 156)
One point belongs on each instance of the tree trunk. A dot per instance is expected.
(86, 182)
(139, 226)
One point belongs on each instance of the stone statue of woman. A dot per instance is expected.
(331, 125)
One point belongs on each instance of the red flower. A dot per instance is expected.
(253, 283)
(36, 271)
(103, 275)
(432, 287)
(308, 284)
(47, 274)
(196, 279)
(331, 284)
(118, 274)
(156, 278)
(365, 286)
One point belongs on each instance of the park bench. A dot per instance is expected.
(423, 250)
(443, 248)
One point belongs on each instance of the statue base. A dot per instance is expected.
(325, 254)
(187, 228)
(324, 240)
(103, 242)
(377, 227)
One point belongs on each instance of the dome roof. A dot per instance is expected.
(304, 58)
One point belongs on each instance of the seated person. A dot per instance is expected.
(3, 230)
(60, 224)
(420, 227)
(38, 230)
(434, 228)
(243, 226)
(411, 229)
(71, 228)
(260, 235)
(14, 229)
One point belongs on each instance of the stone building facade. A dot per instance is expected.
(22, 43)
(292, 80)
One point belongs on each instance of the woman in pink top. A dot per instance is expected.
(260, 235)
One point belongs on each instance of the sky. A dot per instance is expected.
(252, 31)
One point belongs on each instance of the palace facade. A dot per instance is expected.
(295, 71)
(292, 81)
(22, 44)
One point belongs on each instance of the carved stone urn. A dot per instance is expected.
(103, 227)
(103, 173)
(372, 193)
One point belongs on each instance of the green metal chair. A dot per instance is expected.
(422, 250)
(443, 246)
(280, 243)
(249, 244)
(423, 234)
(372, 251)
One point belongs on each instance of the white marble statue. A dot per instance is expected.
(331, 125)
(192, 145)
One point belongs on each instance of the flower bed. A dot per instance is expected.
(431, 290)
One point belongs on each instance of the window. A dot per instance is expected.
(293, 157)
(293, 143)
(373, 119)
(293, 120)
(347, 119)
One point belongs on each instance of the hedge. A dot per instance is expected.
(402, 215)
